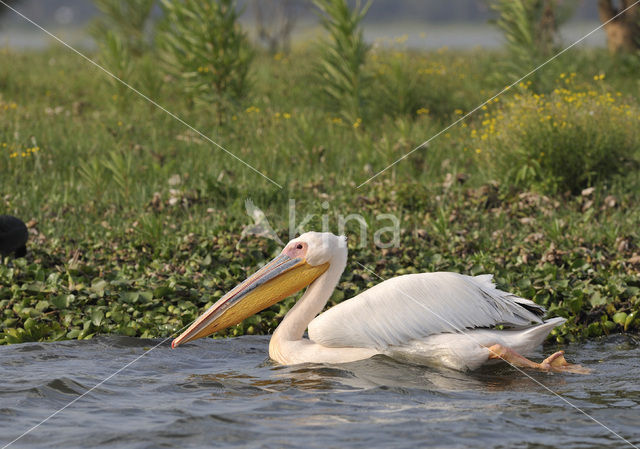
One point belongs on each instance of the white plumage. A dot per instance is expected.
(440, 318)
(415, 306)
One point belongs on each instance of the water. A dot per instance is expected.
(419, 35)
(226, 394)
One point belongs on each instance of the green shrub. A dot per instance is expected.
(342, 57)
(202, 43)
(567, 140)
(127, 20)
(116, 57)
(407, 83)
(530, 28)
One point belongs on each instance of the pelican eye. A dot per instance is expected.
(299, 246)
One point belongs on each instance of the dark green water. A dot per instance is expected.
(225, 393)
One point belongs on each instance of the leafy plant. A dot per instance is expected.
(120, 165)
(412, 83)
(202, 43)
(127, 19)
(530, 28)
(342, 56)
(568, 140)
(116, 57)
(91, 172)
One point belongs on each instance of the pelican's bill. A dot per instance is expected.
(281, 277)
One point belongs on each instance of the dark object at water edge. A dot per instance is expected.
(13, 236)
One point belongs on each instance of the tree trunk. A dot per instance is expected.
(548, 28)
(623, 32)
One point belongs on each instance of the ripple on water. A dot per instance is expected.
(225, 393)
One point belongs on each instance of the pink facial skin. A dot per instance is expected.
(296, 250)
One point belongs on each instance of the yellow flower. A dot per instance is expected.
(337, 120)
(286, 115)
(458, 111)
(357, 123)
(422, 111)
(278, 56)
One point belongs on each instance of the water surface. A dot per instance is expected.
(227, 394)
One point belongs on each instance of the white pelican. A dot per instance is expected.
(446, 319)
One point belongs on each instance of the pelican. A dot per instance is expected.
(445, 319)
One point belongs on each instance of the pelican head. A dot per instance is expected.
(300, 263)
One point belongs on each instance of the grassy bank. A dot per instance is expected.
(135, 220)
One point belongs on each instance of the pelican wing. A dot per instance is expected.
(415, 306)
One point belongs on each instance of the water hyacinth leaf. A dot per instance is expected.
(575, 305)
(162, 292)
(42, 305)
(130, 297)
(597, 300)
(35, 287)
(29, 324)
(594, 330)
(99, 286)
(62, 301)
(9, 322)
(609, 326)
(96, 317)
(115, 315)
(13, 335)
(630, 292)
(619, 318)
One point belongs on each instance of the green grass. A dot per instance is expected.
(116, 248)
